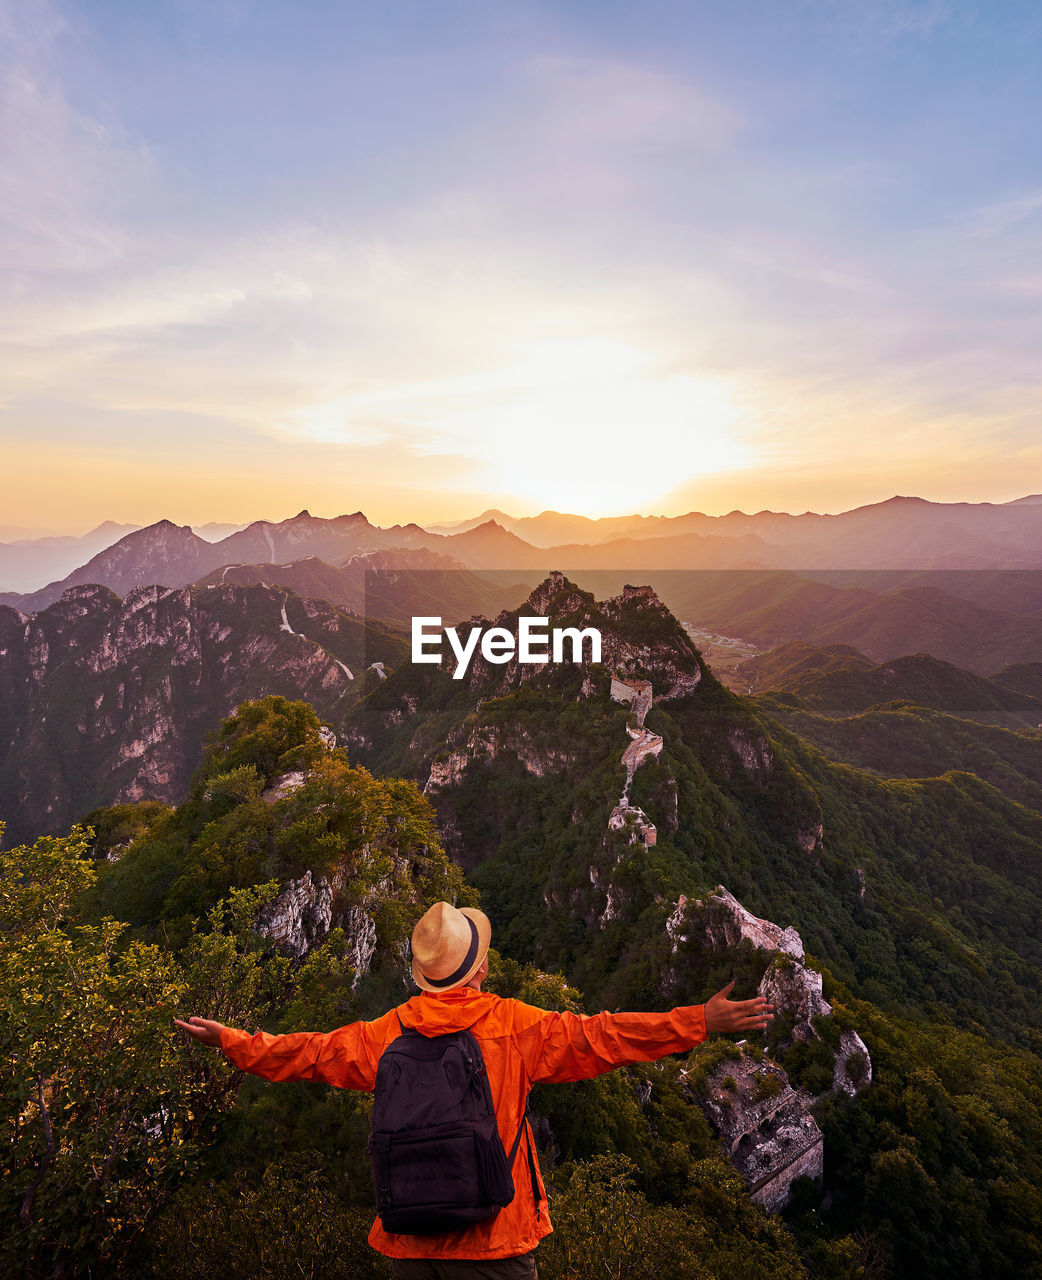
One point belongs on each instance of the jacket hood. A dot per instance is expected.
(435, 1014)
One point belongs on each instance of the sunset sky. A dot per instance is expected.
(424, 258)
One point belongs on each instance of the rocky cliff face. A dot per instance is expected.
(306, 910)
(300, 917)
(725, 922)
(104, 700)
(766, 1124)
(487, 743)
(765, 1127)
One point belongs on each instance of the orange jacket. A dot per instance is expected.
(521, 1045)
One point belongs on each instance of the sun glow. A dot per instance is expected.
(599, 429)
(596, 424)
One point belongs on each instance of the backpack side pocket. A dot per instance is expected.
(496, 1182)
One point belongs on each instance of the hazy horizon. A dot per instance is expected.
(18, 533)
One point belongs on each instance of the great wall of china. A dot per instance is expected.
(643, 743)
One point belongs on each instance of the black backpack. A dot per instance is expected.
(438, 1160)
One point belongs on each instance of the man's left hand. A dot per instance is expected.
(736, 1015)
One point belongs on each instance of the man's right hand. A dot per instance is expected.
(202, 1030)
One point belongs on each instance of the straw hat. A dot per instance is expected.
(448, 946)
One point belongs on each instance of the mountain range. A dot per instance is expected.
(597, 808)
(342, 592)
(908, 534)
(731, 580)
(391, 585)
(901, 532)
(526, 767)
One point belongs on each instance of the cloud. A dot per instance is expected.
(893, 19)
(615, 105)
(989, 221)
(64, 175)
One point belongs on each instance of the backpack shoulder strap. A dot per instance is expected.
(517, 1140)
(536, 1196)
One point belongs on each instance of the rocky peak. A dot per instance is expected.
(161, 551)
(164, 528)
(635, 597)
(163, 537)
(790, 985)
(76, 600)
(640, 638)
(555, 596)
(726, 922)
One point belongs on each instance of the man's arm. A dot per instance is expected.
(568, 1046)
(346, 1057)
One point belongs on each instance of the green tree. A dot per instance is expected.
(286, 1222)
(104, 1109)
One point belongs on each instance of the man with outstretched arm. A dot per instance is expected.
(521, 1046)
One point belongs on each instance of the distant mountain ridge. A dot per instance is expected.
(26, 562)
(771, 609)
(903, 533)
(836, 680)
(175, 556)
(912, 717)
(908, 740)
